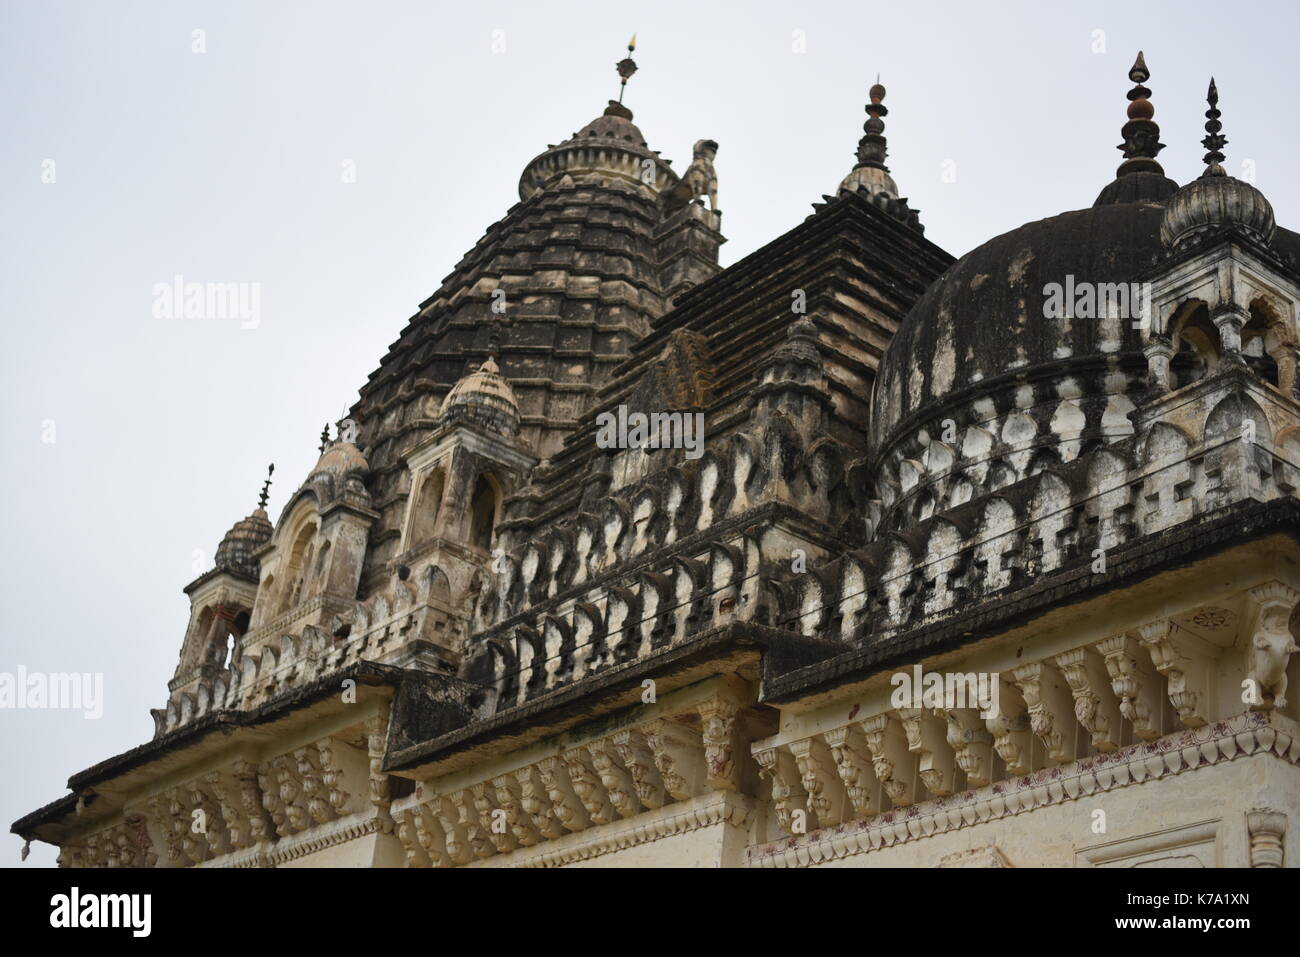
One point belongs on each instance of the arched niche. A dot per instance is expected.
(428, 506)
(1196, 345)
(1268, 346)
(484, 511)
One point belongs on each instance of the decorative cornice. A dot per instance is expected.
(705, 811)
(1244, 734)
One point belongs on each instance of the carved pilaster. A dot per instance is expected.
(429, 833)
(1267, 830)
(789, 799)
(1012, 738)
(455, 836)
(587, 785)
(559, 789)
(618, 783)
(1134, 683)
(971, 744)
(380, 798)
(518, 819)
(853, 762)
(927, 738)
(640, 763)
(719, 721)
(160, 810)
(405, 829)
(331, 776)
(313, 790)
(821, 780)
(268, 782)
(537, 803)
(1051, 708)
(890, 757)
(1185, 671)
(679, 756)
(495, 825)
(1095, 705)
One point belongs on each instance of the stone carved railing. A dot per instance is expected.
(272, 661)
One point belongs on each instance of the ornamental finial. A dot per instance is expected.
(1141, 133)
(266, 487)
(324, 438)
(626, 67)
(872, 147)
(1214, 140)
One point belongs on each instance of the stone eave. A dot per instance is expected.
(1215, 244)
(213, 573)
(1129, 565)
(734, 648)
(198, 736)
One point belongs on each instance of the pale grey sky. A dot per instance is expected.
(225, 166)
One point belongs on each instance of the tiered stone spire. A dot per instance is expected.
(1140, 177)
(871, 172)
(1141, 133)
(870, 177)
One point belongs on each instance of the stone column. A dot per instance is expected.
(1267, 829)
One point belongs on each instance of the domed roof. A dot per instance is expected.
(241, 543)
(986, 317)
(1051, 301)
(485, 397)
(1216, 201)
(609, 146)
(342, 459)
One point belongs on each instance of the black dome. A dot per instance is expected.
(984, 317)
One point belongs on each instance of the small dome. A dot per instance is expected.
(241, 543)
(483, 397)
(1213, 203)
(609, 147)
(873, 179)
(342, 459)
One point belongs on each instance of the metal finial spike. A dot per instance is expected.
(626, 67)
(266, 487)
(1139, 73)
(1214, 140)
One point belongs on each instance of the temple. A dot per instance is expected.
(989, 562)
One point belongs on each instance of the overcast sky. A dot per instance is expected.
(133, 441)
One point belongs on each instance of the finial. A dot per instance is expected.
(324, 438)
(871, 148)
(1214, 141)
(626, 67)
(1141, 134)
(266, 487)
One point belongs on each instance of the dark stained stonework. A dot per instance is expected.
(903, 455)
